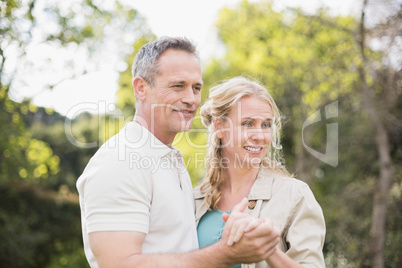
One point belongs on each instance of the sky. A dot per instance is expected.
(95, 91)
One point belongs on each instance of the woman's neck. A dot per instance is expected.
(238, 183)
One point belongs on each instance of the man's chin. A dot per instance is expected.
(185, 126)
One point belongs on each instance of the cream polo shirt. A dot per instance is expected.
(136, 183)
(294, 211)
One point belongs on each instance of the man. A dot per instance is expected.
(136, 197)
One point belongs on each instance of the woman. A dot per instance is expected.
(243, 161)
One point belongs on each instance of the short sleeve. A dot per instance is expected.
(306, 233)
(116, 195)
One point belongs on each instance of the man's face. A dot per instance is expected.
(176, 93)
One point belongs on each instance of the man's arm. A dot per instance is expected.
(124, 249)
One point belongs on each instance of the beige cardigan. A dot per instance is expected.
(294, 211)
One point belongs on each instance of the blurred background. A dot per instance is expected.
(65, 87)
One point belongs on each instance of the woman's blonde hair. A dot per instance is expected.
(222, 98)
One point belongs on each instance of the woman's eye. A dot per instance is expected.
(246, 124)
(267, 125)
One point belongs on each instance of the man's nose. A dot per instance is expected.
(188, 96)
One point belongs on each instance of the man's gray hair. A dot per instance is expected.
(145, 62)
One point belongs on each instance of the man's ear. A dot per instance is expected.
(141, 88)
(218, 127)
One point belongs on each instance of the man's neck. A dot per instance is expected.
(165, 139)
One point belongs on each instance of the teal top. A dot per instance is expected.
(210, 229)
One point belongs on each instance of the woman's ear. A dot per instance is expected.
(218, 127)
(141, 88)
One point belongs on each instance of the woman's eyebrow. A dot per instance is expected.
(254, 118)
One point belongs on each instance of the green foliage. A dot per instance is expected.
(86, 30)
(288, 52)
(193, 145)
(22, 157)
(73, 159)
(125, 93)
(39, 227)
(307, 62)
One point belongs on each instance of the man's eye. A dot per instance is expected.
(197, 88)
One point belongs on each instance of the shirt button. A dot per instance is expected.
(251, 204)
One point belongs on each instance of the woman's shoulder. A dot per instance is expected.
(290, 180)
(280, 180)
(296, 189)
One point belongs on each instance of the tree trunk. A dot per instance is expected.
(301, 166)
(303, 172)
(380, 204)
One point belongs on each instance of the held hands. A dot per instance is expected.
(238, 222)
(248, 239)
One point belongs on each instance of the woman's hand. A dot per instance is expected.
(246, 239)
(238, 223)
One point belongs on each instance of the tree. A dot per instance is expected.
(39, 221)
(83, 28)
(39, 227)
(294, 56)
(22, 157)
(309, 63)
(125, 93)
(379, 78)
(379, 112)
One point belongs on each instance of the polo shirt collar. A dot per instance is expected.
(152, 145)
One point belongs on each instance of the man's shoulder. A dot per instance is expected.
(197, 192)
(132, 138)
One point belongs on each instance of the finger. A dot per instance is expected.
(248, 225)
(264, 228)
(237, 234)
(232, 233)
(225, 216)
(232, 223)
(252, 225)
(240, 207)
(240, 226)
(237, 230)
(233, 216)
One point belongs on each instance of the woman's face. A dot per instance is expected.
(246, 133)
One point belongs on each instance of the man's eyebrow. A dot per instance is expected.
(177, 82)
(182, 82)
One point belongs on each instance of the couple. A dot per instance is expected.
(247, 210)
